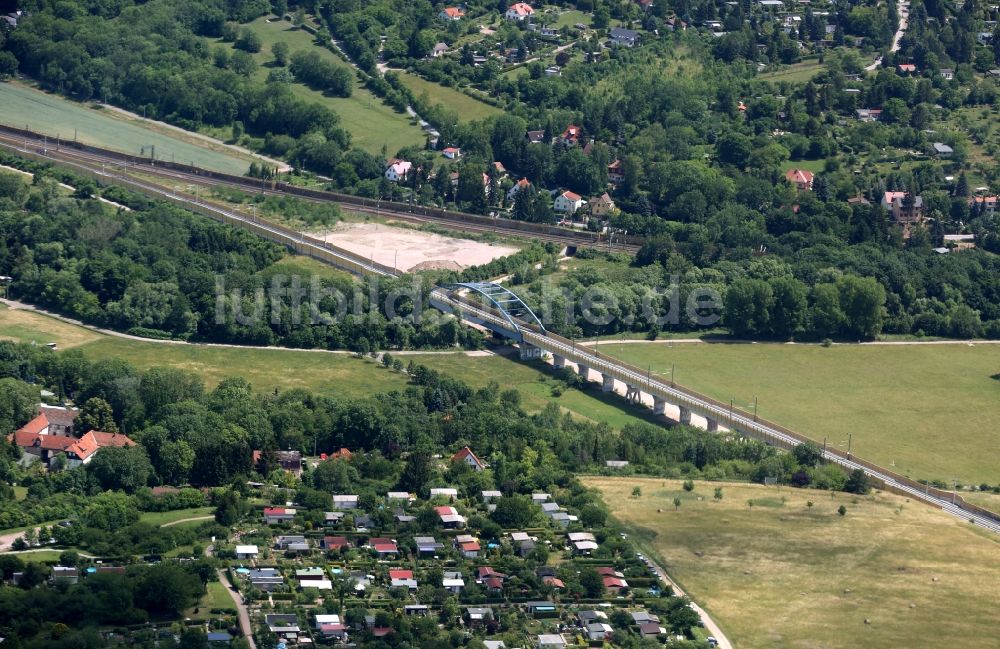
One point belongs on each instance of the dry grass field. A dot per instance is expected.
(783, 574)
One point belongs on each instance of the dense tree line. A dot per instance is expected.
(160, 271)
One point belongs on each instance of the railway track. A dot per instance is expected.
(100, 162)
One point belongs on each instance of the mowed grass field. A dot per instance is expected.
(370, 122)
(326, 373)
(22, 106)
(794, 73)
(931, 411)
(782, 574)
(468, 108)
(163, 518)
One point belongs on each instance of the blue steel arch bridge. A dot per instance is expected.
(511, 313)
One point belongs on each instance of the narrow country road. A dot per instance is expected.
(241, 609)
(710, 625)
(904, 17)
(189, 520)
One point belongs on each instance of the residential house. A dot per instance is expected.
(644, 617)
(553, 71)
(540, 498)
(451, 152)
(584, 618)
(283, 624)
(490, 495)
(550, 508)
(550, 641)
(446, 492)
(598, 631)
(85, 448)
(453, 582)
(61, 420)
(563, 518)
(439, 50)
(477, 616)
(868, 114)
(399, 578)
(398, 170)
(651, 630)
(571, 136)
(466, 455)
(942, 150)
(468, 545)
(288, 460)
(624, 37)
(331, 626)
(419, 610)
(427, 545)
(494, 644)
(265, 579)
(362, 522)
(535, 137)
(984, 204)
(771, 4)
(520, 12)
(616, 174)
(383, 547)
(518, 186)
(904, 208)
(616, 464)
(292, 544)
(802, 179)
(568, 202)
(906, 68)
(614, 584)
(499, 169)
(553, 581)
(603, 206)
(275, 515)
(345, 501)
(246, 551)
(451, 14)
(335, 543)
(310, 574)
(400, 496)
(450, 518)
(66, 574)
(947, 73)
(332, 518)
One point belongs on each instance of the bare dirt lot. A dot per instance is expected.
(410, 250)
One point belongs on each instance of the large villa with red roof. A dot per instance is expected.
(49, 435)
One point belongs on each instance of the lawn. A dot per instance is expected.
(468, 108)
(162, 518)
(266, 369)
(31, 327)
(570, 18)
(815, 166)
(370, 122)
(790, 575)
(44, 113)
(794, 73)
(928, 411)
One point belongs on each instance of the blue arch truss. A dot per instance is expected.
(510, 306)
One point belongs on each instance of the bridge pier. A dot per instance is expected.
(558, 361)
(584, 371)
(685, 416)
(528, 351)
(659, 405)
(632, 394)
(607, 383)
(712, 425)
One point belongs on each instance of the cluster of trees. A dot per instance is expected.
(37, 615)
(158, 270)
(316, 72)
